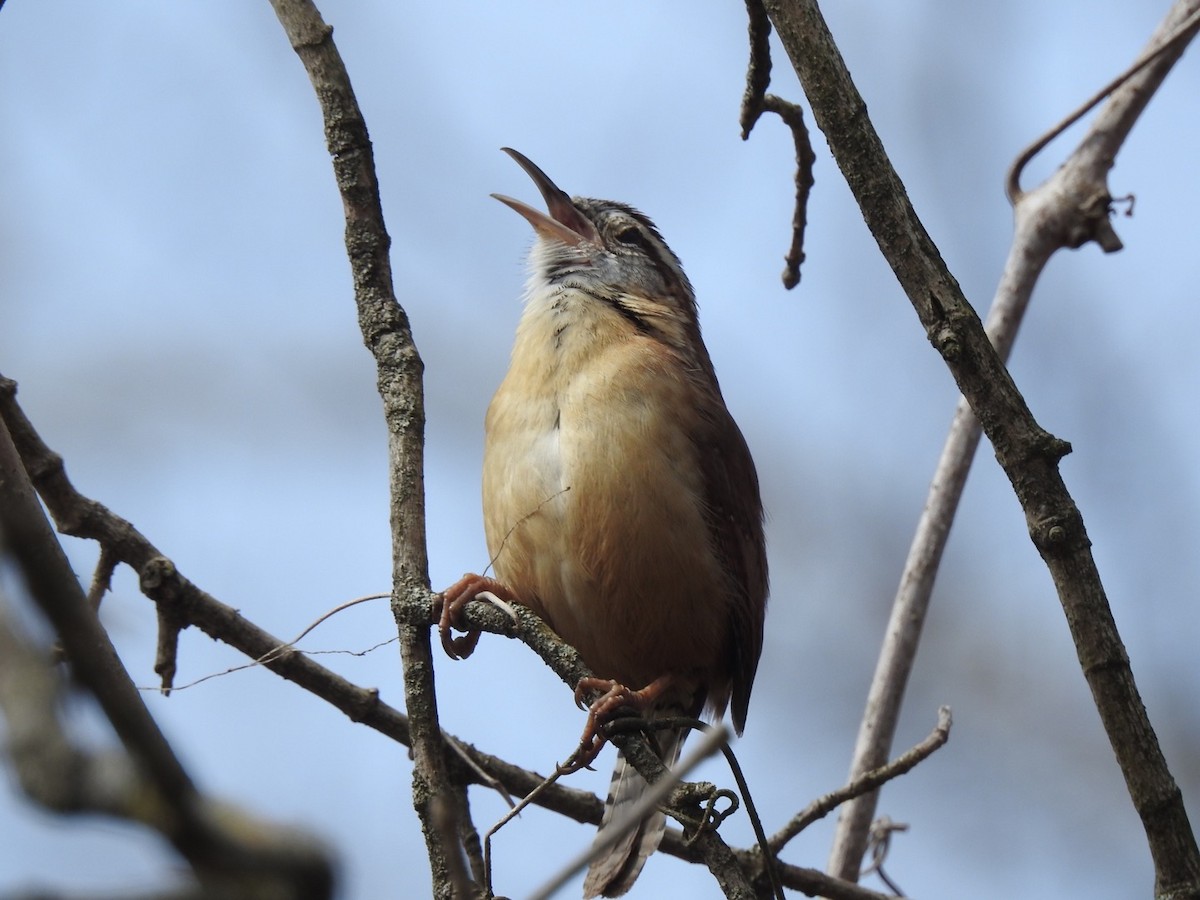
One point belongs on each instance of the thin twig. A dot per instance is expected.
(758, 69)
(102, 577)
(341, 607)
(793, 117)
(713, 740)
(882, 830)
(1177, 40)
(867, 782)
(515, 811)
(467, 755)
(282, 649)
(756, 101)
(760, 835)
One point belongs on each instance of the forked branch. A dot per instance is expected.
(1028, 454)
(1060, 213)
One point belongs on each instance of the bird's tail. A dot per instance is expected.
(614, 872)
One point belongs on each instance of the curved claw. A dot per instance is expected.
(459, 647)
(585, 754)
(614, 697)
(455, 598)
(586, 685)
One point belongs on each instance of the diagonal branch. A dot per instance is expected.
(1028, 454)
(867, 782)
(1130, 92)
(567, 664)
(1048, 218)
(230, 854)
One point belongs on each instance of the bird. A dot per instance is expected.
(621, 503)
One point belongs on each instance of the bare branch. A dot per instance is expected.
(869, 781)
(756, 101)
(646, 804)
(1028, 454)
(1048, 218)
(102, 578)
(386, 333)
(758, 69)
(815, 883)
(793, 117)
(882, 830)
(86, 645)
(50, 770)
(227, 850)
(1163, 51)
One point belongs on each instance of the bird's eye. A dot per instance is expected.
(631, 236)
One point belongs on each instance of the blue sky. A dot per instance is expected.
(176, 306)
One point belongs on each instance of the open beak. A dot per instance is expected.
(565, 223)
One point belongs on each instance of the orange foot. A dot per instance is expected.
(455, 598)
(603, 710)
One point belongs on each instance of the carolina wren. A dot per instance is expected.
(620, 500)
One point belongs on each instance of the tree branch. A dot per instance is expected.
(866, 783)
(567, 664)
(756, 101)
(386, 333)
(1028, 454)
(1071, 203)
(229, 853)
(1164, 49)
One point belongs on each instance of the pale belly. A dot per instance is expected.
(594, 517)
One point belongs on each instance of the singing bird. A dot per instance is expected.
(620, 500)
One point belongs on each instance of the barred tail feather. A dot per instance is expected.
(614, 873)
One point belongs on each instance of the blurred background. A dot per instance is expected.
(175, 303)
